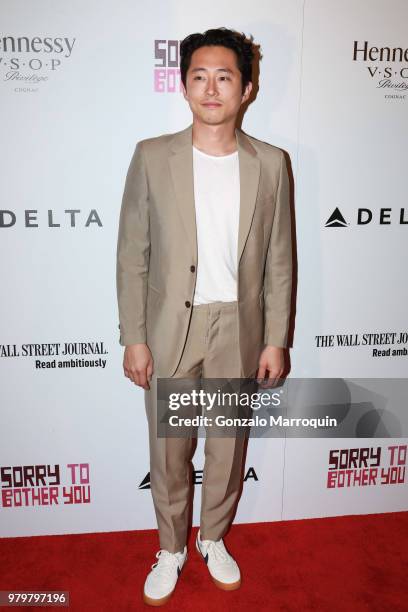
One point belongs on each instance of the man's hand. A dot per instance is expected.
(138, 364)
(271, 359)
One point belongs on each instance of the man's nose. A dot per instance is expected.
(211, 85)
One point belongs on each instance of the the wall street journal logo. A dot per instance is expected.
(368, 216)
(28, 61)
(64, 355)
(386, 66)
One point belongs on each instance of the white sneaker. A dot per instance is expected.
(161, 581)
(222, 567)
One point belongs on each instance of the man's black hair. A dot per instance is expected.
(239, 43)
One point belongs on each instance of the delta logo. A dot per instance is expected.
(367, 216)
(198, 478)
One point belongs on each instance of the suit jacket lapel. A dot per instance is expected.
(249, 173)
(181, 169)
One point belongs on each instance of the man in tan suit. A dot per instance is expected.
(204, 275)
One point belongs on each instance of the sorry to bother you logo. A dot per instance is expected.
(28, 61)
(368, 466)
(44, 485)
(166, 73)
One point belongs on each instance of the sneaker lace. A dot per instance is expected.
(218, 551)
(166, 564)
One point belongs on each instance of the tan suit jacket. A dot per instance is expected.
(157, 249)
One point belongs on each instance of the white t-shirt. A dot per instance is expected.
(217, 200)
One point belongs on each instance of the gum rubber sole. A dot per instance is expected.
(225, 586)
(157, 602)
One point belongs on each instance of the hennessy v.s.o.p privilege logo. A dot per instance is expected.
(28, 61)
(387, 66)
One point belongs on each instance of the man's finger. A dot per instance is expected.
(261, 373)
(277, 377)
(269, 382)
(149, 370)
(142, 379)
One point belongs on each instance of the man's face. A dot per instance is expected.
(214, 86)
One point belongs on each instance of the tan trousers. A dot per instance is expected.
(211, 351)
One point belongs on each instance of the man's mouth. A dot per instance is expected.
(211, 104)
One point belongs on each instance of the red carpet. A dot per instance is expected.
(345, 563)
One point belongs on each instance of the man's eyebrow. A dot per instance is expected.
(218, 70)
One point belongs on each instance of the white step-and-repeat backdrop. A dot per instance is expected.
(81, 83)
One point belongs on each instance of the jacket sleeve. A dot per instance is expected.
(278, 268)
(133, 252)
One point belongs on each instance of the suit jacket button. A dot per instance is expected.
(188, 304)
(192, 268)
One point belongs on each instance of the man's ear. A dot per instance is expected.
(247, 92)
(183, 89)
